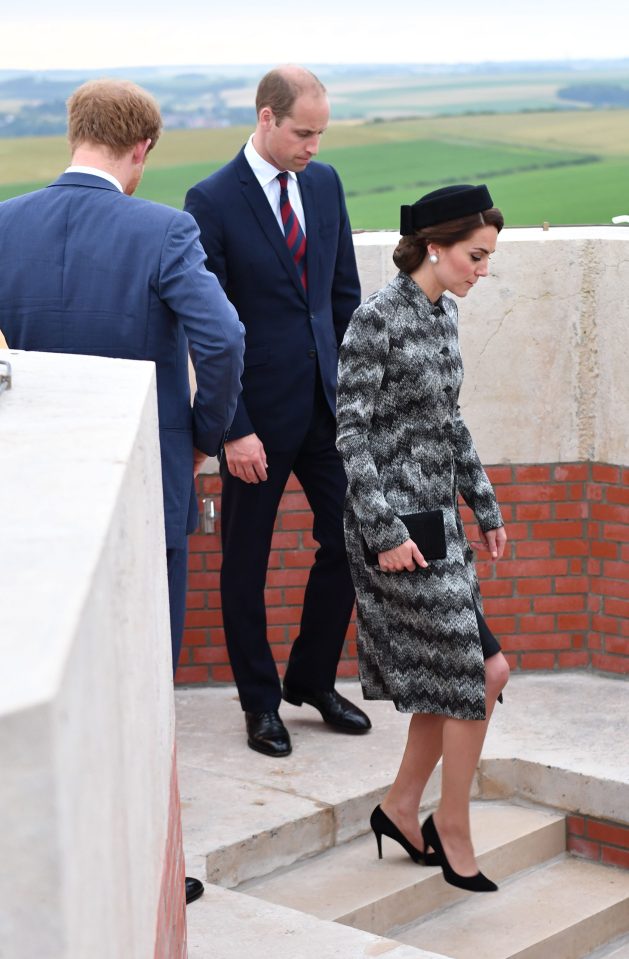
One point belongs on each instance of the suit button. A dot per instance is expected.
(312, 354)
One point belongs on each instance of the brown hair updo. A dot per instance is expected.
(411, 250)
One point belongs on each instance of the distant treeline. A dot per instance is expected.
(586, 159)
(600, 95)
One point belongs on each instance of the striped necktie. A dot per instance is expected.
(295, 236)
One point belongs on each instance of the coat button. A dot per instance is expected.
(444, 351)
(447, 389)
(312, 354)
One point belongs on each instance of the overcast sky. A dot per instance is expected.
(74, 34)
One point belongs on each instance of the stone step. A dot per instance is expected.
(618, 949)
(562, 910)
(224, 924)
(350, 885)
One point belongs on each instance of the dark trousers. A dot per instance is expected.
(248, 512)
(177, 562)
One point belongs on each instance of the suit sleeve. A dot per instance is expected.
(198, 204)
(215, 334)
(209, 221)
(472, 479)
(346, 283)
(362, 362)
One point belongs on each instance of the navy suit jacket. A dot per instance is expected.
(288, 333)
(86, 269)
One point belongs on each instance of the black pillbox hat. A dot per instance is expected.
(447, 203)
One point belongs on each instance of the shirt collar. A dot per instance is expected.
(265, 172)
(94, 171)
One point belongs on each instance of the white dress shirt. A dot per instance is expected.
(266, 175)
(94, 171)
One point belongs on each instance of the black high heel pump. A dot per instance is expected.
(382, 826)
(477, 883)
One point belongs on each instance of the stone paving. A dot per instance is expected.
(560, 739)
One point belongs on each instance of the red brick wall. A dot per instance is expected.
(170, 933)
(561, 599)
(558, 600)
(599, 840)
(608, 568)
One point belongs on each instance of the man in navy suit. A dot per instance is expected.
(282, 248)
(87, 268)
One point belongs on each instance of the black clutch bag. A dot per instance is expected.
(427, 530)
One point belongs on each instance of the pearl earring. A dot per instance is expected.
(433, 258)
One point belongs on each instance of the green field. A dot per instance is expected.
(591, 193)
(562, 167)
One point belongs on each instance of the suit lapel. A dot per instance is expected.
(255, 196)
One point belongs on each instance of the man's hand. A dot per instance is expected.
(198, 461)
(246, 458)
(402, 557)
(493, 541)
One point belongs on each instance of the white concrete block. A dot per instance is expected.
(545, 342)
(86, 708)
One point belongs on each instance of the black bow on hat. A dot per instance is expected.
(447, 203)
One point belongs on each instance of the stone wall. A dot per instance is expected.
(92, 861)
(545, 341)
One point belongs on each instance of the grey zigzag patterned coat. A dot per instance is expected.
(406, 449)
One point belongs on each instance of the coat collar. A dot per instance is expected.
(408, 288)
(85, 179)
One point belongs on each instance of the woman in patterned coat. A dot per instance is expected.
(422, 639)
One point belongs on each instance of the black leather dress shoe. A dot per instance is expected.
(194, 889)
(266, 733)
(334, 708)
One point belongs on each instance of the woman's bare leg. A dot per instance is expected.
(462, 744)
(421, 755)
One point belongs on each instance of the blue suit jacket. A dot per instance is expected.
(86, 269)
(288, 333)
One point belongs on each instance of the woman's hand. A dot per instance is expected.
(405, 556)
(493, 541)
